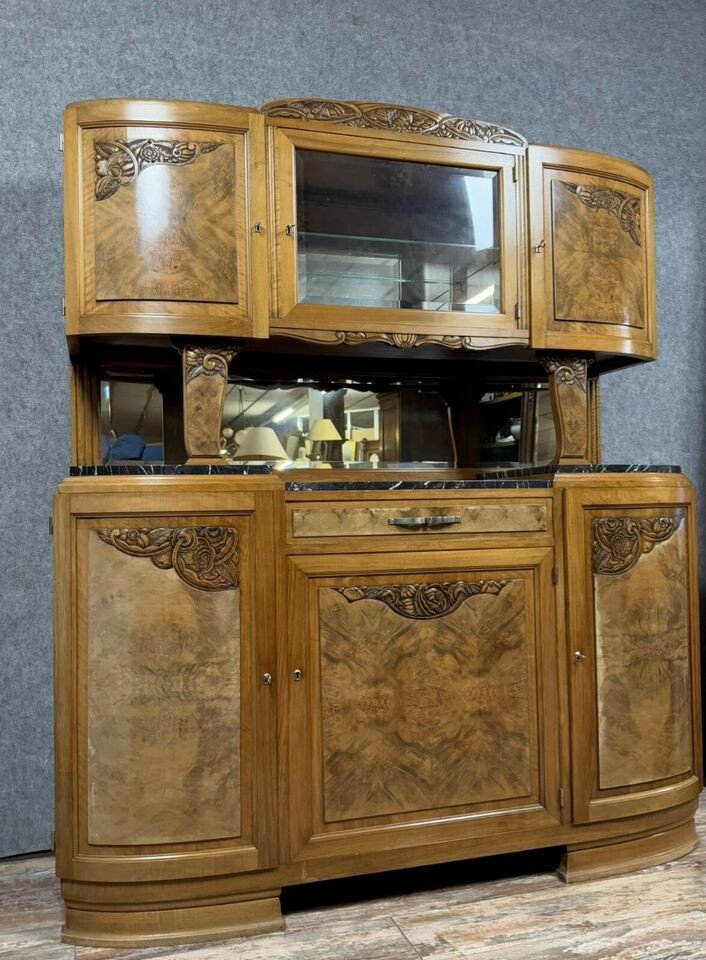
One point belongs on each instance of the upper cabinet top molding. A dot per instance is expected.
(390, 116)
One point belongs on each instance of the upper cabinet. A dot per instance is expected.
(350, 222)
(592, 253)
(165, 215)
(394, 223)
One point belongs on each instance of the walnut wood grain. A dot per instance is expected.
(348, 520)
(419, 714)
(568, 386)
(169, 233)
(163, 699)
(205, 380)
(599, 262)
(642, 661)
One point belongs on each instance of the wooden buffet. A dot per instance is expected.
(267, 677)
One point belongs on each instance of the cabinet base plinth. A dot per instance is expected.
(590, 863)
(147, 928)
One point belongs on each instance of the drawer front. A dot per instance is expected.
(375, 519)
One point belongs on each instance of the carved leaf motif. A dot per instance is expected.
(204, 557)
(424, 601)
(619, 542)
(405, 340)
(568, 371)
(621, 205)
(118, 163)
(207, 361)
(390, 116)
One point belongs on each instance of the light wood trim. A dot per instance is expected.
(85, 414)
(157, 927)
(614, 859)
(290, 313)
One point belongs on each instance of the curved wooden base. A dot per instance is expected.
(591, 862)
(193, 924)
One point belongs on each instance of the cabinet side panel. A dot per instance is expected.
(163, 712)
(643, 668)
(424, 709)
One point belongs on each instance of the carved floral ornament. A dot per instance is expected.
(568, 371)
(120, 162)
(205, 558)
(209, 361)
(619, 542)
(625, 208)
(390, 116)
(424, 601)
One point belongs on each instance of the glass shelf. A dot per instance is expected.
(304, 234)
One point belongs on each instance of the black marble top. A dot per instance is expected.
(553, 468)
(517, 478)
(139, 469)
(305, 486)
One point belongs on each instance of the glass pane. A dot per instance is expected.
(131, 422)
(395, 233)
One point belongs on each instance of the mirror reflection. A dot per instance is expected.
(361, 425)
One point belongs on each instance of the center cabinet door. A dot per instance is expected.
(395, 237)
(418, 715)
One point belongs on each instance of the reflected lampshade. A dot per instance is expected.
(260, 443)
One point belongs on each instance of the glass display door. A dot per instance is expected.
(377, 234)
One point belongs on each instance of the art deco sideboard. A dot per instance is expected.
(427, 651)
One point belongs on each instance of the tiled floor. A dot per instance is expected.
(431, 914)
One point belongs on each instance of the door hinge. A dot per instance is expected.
(555, 575)
(518, 312)
(61, 142)
(63, 306)
(51, 526)
(514, 172)
(561, 797)
(53, 842)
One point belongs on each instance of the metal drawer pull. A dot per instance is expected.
(422, 521)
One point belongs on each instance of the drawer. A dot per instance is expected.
(405, 518)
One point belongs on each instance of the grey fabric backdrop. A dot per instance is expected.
(621, 76)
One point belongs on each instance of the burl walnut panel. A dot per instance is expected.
(164, 207)
(163, 710)
(424, 709)
(599, 253)
(642, 658)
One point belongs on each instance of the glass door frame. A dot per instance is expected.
(290, 313)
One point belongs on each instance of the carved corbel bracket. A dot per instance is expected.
(205, 379)
(568, 387)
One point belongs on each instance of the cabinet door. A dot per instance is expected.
(376, 238)
(421, 712)
(162, 206)
(633, 631)
(591, 252)
(165, 728)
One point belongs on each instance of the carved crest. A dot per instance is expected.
(204, 557)
(120, 162)
(568, 371)
(424, 601)
(621, 205)
(619, 542)
(390, 116)
(207, 361)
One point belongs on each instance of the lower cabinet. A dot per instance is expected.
(424, 687)
(232, 718)
(633, 632)
(165, 728)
